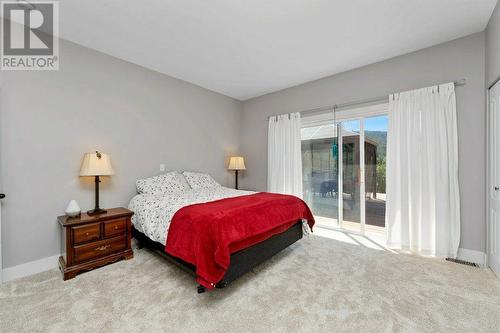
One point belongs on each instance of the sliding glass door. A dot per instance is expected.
(320, 170)
(351, 175)
(375, 130)
(343, 164)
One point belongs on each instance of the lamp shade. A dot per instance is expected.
(96, 164)
(236, 163)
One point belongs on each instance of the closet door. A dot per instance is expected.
(494, 180)
(2, 196)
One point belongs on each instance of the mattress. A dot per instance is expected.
(153, 212)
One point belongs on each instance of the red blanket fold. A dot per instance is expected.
(206, 234)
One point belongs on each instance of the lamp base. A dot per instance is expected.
(97, 211)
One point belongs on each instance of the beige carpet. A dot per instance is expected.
(318, 284)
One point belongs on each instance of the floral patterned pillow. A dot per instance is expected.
(200, 180)
(167, 183)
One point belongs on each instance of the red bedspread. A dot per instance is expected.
(206, 234)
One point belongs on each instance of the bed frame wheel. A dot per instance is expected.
(139, 243)
(221, 285)
(201, 289)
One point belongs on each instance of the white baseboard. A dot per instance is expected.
(494, 267)
(30, 268)
(474, 256)
(45, 264)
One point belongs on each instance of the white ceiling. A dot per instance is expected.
(246, 48)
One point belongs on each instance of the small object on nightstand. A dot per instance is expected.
(73, 209)
(236, 163)
(95, 240)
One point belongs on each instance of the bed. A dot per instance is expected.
(214, 232)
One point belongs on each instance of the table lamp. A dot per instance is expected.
(96, 164)
(236, 163)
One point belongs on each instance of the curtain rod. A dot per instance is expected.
(375, 100)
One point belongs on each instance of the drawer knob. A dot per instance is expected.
(102, 248)
(86, 234)
(116, 227)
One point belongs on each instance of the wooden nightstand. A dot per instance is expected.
(93, 241)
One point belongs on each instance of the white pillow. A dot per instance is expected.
(168, 183)
(199, 180)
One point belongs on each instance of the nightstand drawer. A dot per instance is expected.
(86, 233)
(115, 227)
(99, 249)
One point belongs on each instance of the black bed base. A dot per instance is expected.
(241, 262)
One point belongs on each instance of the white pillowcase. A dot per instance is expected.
(199, 180)
(168, 183)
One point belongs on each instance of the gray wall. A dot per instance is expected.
(493, 47)
(462, 58)
(143, 118)
(140, 117)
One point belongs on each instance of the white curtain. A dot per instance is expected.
(423, 203)
(284, 166)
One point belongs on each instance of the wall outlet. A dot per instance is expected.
(162, 167)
